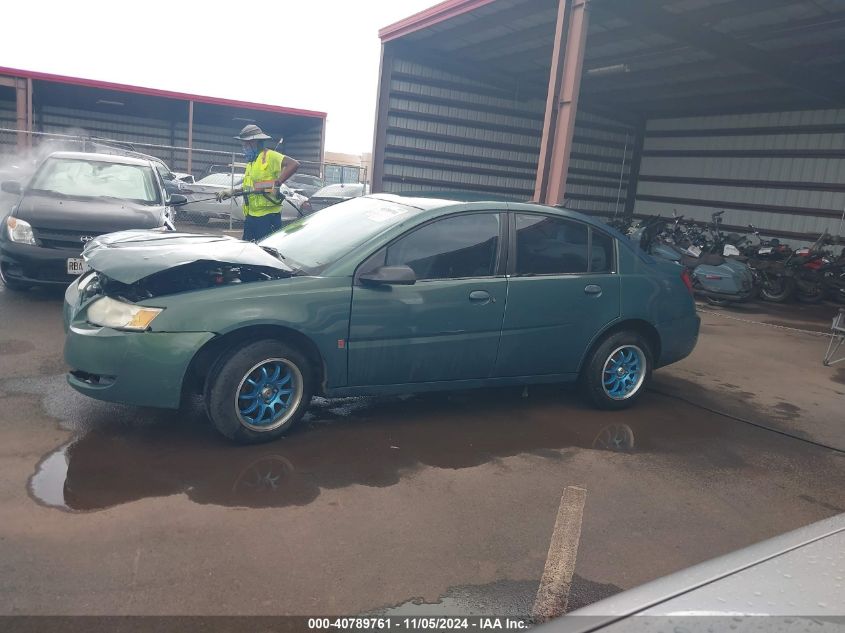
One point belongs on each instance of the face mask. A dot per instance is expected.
(250, 154)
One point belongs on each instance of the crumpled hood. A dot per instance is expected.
(128, 256)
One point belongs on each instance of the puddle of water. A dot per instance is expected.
(506, 598)
(47, 484)
(119, 458)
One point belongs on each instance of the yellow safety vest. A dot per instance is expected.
(267, 166)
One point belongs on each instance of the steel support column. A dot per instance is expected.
(382, 102)
(190, 136)
(561, 101)
(24, 112)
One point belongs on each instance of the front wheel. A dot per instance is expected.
(777, 289)
(617, 371)
(259, 391)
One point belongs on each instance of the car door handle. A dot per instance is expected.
(481, 296)
(592, 289)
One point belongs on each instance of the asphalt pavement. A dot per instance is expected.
(441, 503)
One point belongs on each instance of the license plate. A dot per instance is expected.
(695, 251)
(76, 266)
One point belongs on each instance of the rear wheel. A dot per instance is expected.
(777, 289)
(259, 391)
(810, 292)
(617, 371)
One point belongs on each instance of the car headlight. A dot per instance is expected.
(20, 231)
(120, 315)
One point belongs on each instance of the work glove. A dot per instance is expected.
(224, 194)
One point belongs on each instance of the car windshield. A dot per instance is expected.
(313, 242)
(350, 190)
(223, 180)
(96, 179)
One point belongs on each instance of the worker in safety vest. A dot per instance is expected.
(265, 171)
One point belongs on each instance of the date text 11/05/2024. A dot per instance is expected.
(477, 623)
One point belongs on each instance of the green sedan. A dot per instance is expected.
(377, 295)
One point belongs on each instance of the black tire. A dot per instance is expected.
(777, 289)
(593, 372)
(811, 293)
(235, 368)
(198, 219)
(11, 284)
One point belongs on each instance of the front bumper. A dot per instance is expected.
(35, 265)
(138, 368)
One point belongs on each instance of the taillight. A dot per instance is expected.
(687, 280)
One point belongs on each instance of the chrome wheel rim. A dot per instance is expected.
(623, 372)
(268, 394)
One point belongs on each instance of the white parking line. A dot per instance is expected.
(553, 594)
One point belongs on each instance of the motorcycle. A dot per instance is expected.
(718, 280)
(813, 268)
(766, 260)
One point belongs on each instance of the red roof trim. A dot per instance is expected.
(154, 92)
(428, 17)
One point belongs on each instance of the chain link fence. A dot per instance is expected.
(206, 172)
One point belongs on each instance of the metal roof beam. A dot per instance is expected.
(650, 13)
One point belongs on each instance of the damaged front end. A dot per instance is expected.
(133, 267)
(197, 275)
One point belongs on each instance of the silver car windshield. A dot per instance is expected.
(96, 179)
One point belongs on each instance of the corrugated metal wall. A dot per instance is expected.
(306, 147)
(444, 132)
(600, 165)
(8, 120)
(783, 172)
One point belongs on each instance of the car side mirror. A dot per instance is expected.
(11, 186)
(177, 199)
(389, 276)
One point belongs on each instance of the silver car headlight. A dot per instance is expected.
(20, 231)
(120, 315)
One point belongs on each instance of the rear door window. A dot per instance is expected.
(547, 245)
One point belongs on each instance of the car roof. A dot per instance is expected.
(102, 158)
(426, 203)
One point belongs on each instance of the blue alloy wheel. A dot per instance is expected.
(624, 372)
(268, 394)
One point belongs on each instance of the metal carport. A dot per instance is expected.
(45, 103)
(622, 106)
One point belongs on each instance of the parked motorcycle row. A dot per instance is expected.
(733, 268)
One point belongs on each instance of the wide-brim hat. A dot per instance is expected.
(252, 132)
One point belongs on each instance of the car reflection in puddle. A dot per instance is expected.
(371, 442)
